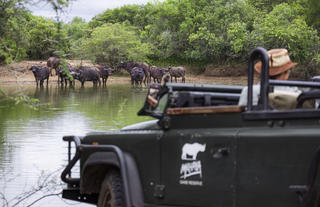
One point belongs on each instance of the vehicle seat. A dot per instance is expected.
(283, 100)
(291, 100)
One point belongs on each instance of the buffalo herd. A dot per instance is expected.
(140, 72)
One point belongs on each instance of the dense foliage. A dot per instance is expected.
(112, 43)
(23, 35)
(179, 31)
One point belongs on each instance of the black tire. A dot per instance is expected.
(111, 190)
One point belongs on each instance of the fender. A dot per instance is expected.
(96, 167)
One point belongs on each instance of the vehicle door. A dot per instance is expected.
(197, 167)
(271, 160)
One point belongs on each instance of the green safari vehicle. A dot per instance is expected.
(203, 150)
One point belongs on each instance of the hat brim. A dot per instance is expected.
(275, 70)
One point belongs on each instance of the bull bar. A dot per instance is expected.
(73, 191)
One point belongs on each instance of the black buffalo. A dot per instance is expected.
(105, 71)
(128, 66)
(157, 73)
(177, 72)
(53, 63)
(40, 74)
(66, 76)
(137, 74)
(84, 74)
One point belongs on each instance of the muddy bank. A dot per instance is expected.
(18, 72)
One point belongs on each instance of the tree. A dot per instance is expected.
(218, 29)
(112, 43)
(312, 12)
(163, 30)
(13, 42)
(267, 5)
(117, 15)
(283, 27)
(14, 19)
(77, 29)
(42, 37)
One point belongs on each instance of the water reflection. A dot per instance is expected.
(30, 140)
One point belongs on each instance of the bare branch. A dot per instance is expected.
(46, 186)
(5, 201)
(45, 196)
(26, 197)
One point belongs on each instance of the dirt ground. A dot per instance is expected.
(18, 72)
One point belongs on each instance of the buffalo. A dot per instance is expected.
(128, 66)
(64, 76)
(84, 74)
(157, 73)
(137, 74)
(104, 72)
(177, 72)
(53, 63)
(40, 74)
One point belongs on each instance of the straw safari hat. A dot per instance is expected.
(279, 62)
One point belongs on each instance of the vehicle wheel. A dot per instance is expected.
(111, 190)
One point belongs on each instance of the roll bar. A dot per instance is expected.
(262, 54)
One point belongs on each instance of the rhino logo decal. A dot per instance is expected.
(190, 151)
(190, 166)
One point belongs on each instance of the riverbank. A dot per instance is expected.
(19, 73)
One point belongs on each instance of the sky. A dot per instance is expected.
(85, 9)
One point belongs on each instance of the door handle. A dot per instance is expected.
(221, 152)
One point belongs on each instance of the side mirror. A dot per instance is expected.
(152, 100)
(152, 96)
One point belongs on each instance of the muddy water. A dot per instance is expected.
(32, 153)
